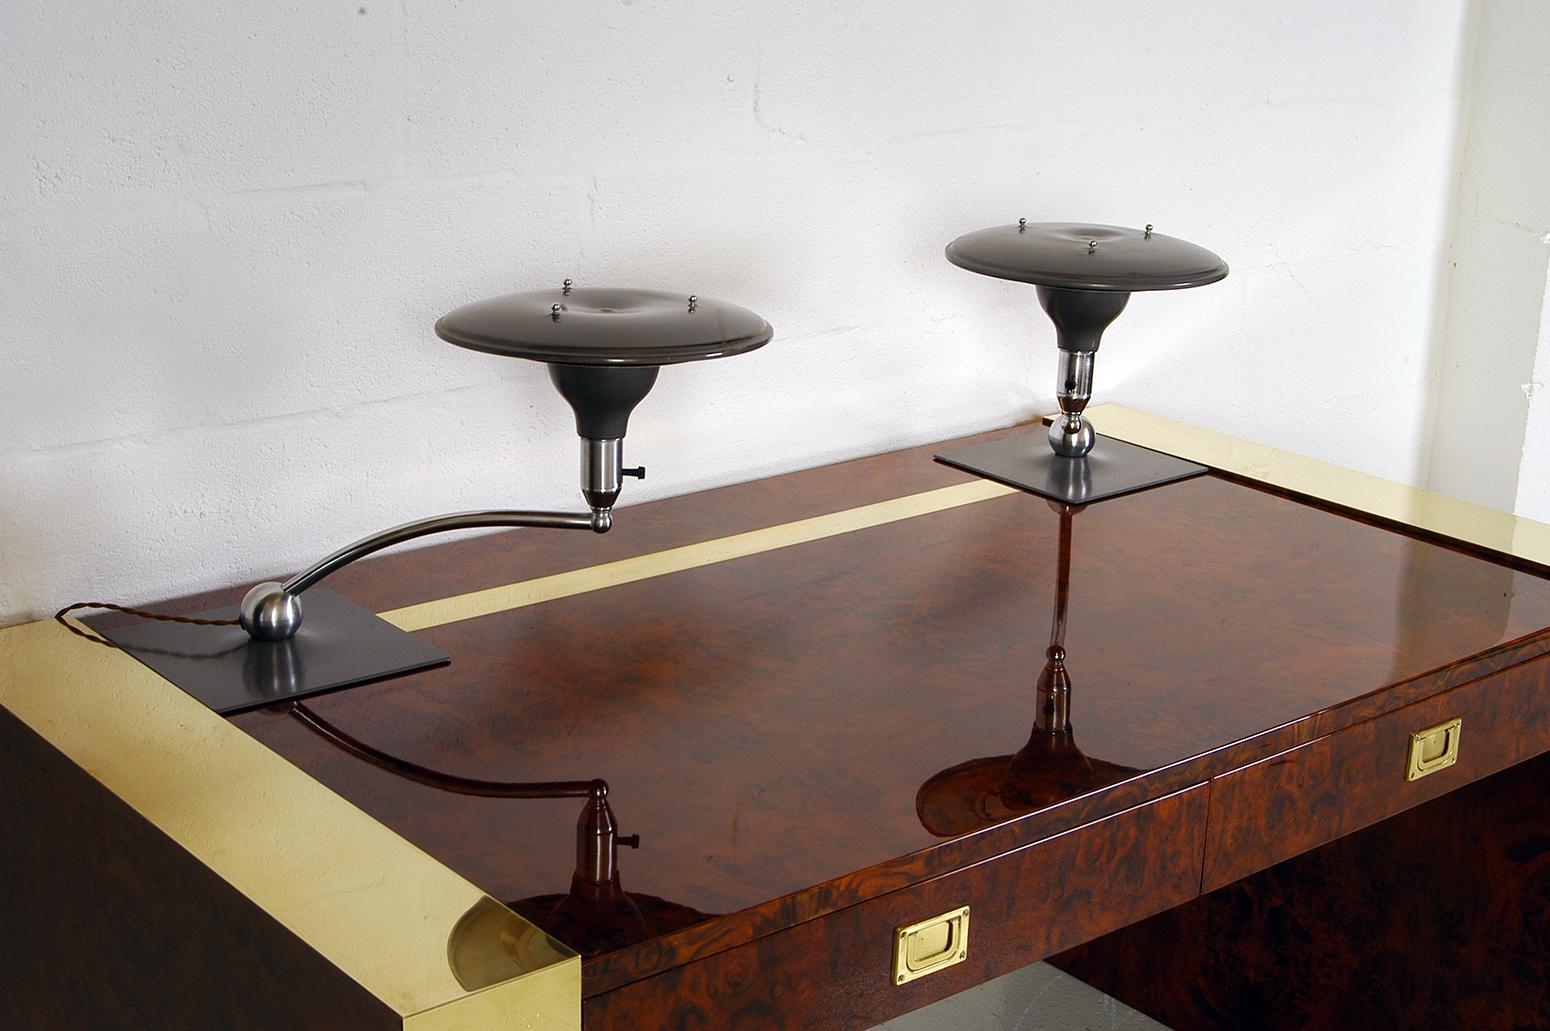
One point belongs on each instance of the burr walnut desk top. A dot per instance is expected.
(810, 697)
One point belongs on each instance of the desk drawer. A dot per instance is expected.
(837, 971)
(1310, 795)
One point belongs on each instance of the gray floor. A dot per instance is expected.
(1035, 998)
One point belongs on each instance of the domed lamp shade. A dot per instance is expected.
(1085, 274)
(604, 348)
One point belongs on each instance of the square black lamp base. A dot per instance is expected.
(339, 644)
(1113, 467)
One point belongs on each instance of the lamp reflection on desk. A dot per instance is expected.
(595, 916)
(1049, 768)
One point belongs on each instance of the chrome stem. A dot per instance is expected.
(1071, 436)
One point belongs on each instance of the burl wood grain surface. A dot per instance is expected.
(1436, 918)
(1292, 802)
(835, 974)
(766, 724)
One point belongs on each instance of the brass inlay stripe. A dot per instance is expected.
(691, 556)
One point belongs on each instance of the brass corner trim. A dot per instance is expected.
(1426, 510)
(373, 905)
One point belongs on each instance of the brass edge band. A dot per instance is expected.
(1422, 509)
(370, 903)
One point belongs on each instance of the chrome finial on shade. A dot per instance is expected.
(1148, 235)
(1092, 246)
(567, 287)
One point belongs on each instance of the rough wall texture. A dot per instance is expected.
(226, 230)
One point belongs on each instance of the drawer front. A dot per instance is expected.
(1307, 796)
(838, 971)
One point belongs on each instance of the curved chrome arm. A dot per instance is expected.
(271, 611)
(599, 520)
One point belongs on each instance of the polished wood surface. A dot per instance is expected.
(106, 924)
(1289, 803)
(767, 725)
(1436, 918)
(834, 974)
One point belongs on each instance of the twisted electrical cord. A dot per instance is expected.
(59, 617)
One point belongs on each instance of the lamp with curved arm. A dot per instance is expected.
(604, 348)
(1085, 274)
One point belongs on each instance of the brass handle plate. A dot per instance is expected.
(1433, 749)
(930, 945)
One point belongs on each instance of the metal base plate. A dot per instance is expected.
(1114, 467)
(339, 645)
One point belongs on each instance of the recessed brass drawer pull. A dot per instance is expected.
(1433, 749)
(930, 945)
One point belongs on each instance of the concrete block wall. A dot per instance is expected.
(226, 231)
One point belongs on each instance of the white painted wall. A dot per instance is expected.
(226, 230)
(1490, 438)
(1534, 469)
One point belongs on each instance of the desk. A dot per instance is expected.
(806, 694)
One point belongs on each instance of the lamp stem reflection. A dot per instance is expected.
(1054, 713)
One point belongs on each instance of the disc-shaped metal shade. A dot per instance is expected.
(1082, 256)
(605, 326)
